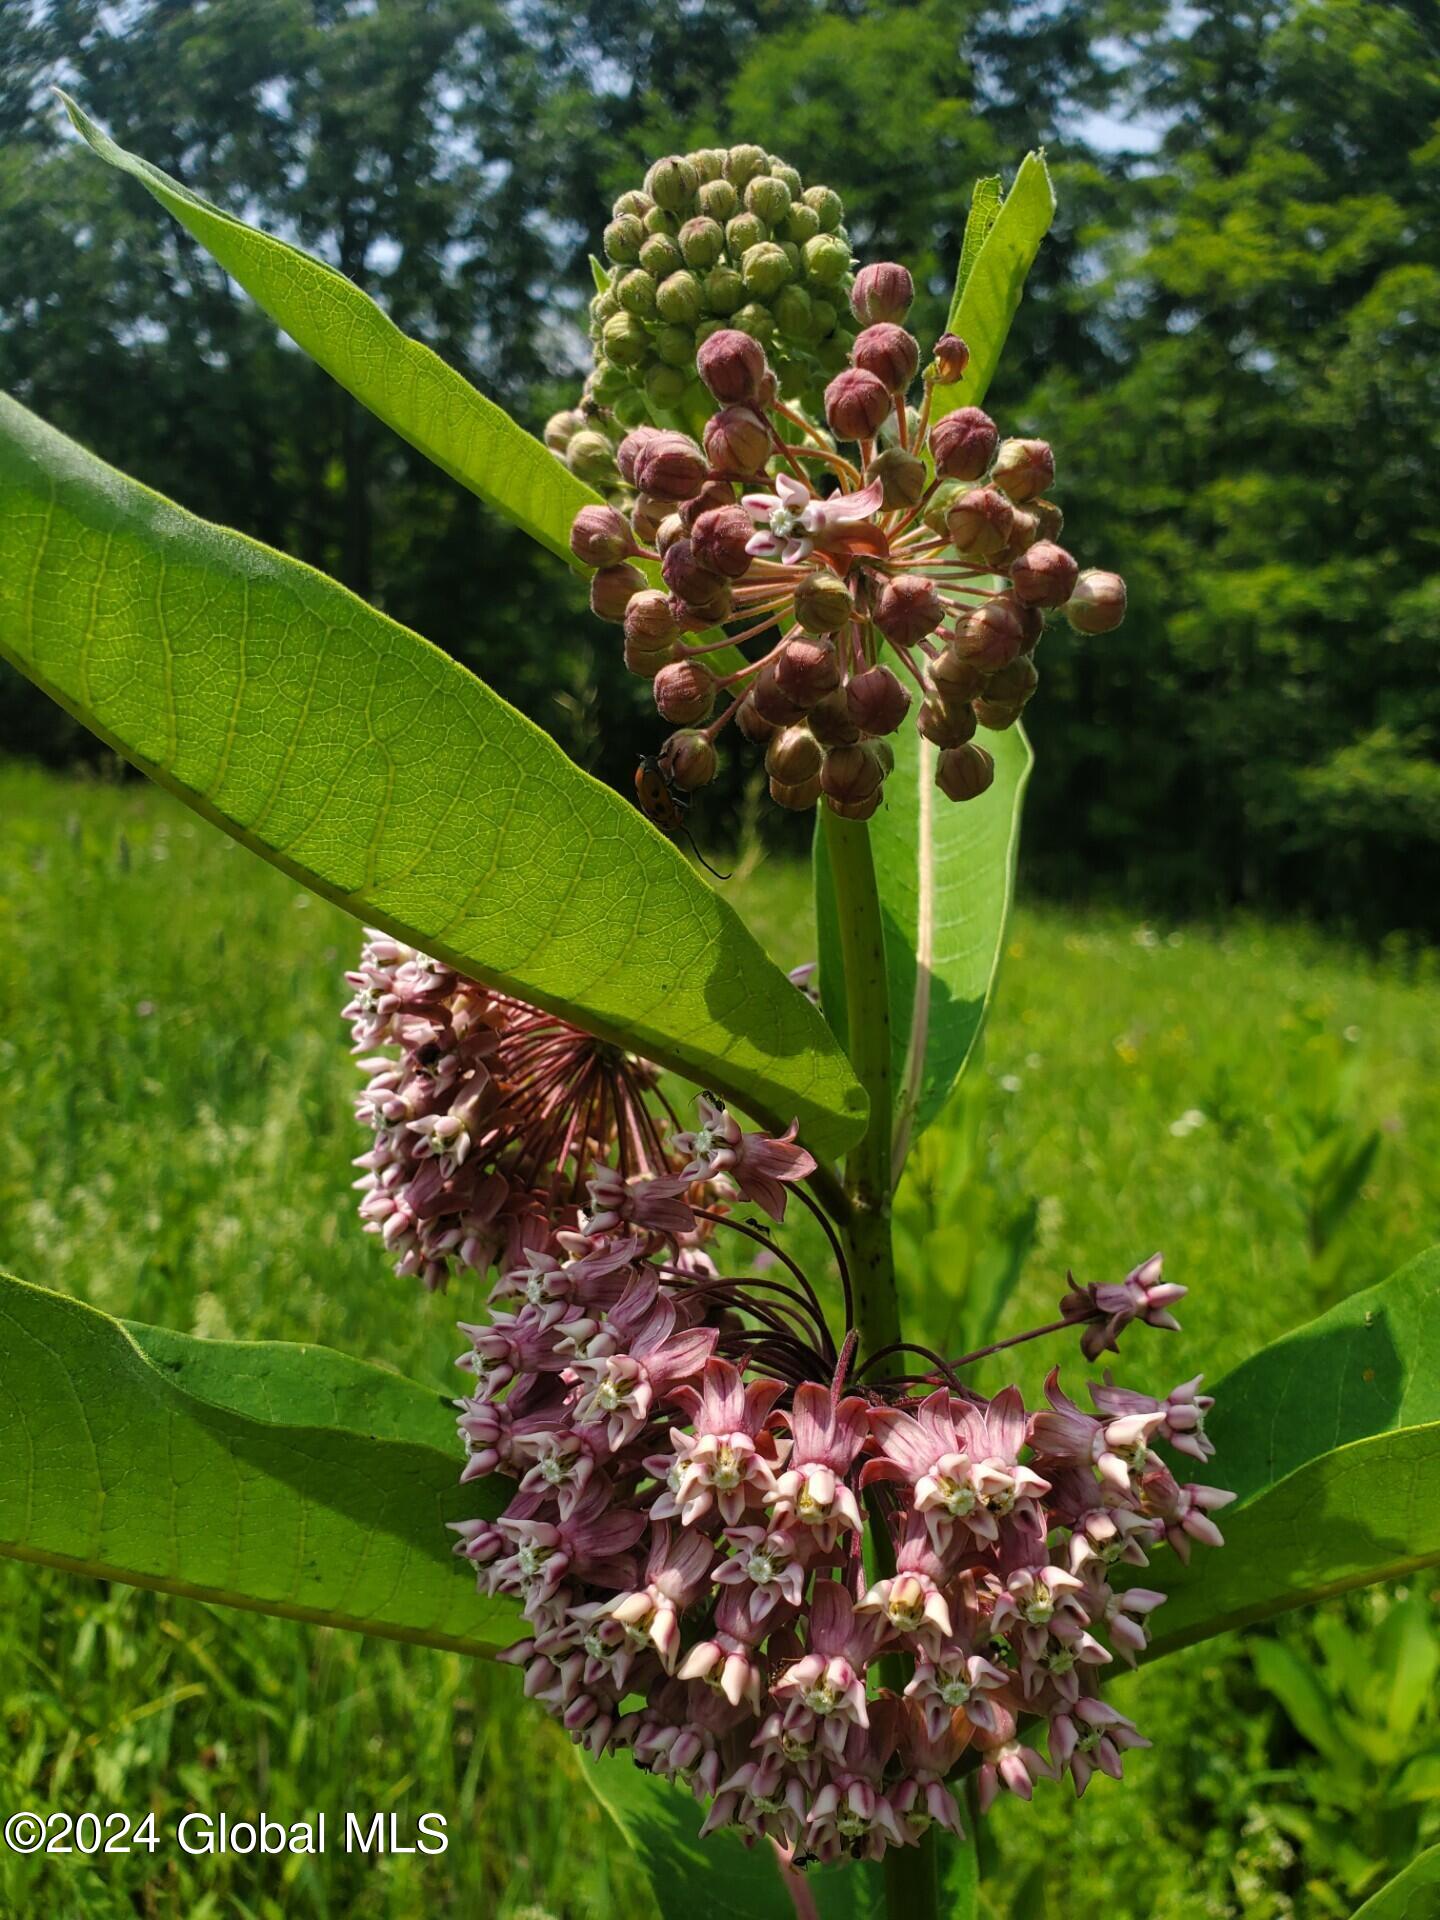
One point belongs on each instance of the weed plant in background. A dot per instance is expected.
(809, 1586)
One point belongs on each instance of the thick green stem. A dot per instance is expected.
(911, 1877)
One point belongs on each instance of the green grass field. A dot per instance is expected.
(1261, 1103)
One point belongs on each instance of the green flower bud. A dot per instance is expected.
(630, 409)
(636, 292)
(939, 504)
(724, 290)
(833, 353)
(788, 175)
(590, 457)
(794, 313)
(664, 386)
(794, 256)
(676, 345)
(718, 200)
(755, 320)
(708, 162)
(624, 239)
(902, 475)
(826, 205)
(561, 429)
(660, 256)
(602, 305)
(607, 382)
(671, 183)
(706, 328)
(677, 299)
(765, 270)
(743, 163)
(746, 230)
(823, 603)
(827, 259)
(824, 315)
(801, 223)
(769, 198)
(702, 243)
(634, 204)
(659, 221)
(625, 339)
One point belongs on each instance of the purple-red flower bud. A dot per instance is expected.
(963, 443)
(856, 404)
(1050, 518)
(830, 720)
(737, 442)
(1015, 685)
(687, 575)
(600, 536)
(890, 353)
(991, 636)
(733, 366)
(909, 607)
(955, 680)
(1024, 468)
(876, 700)
(770, 701)
(721, 538)
(806, 670)
(650, 619)
(882, 291)
(963, 773)
(685, 691)
(1098, 603)
(979, 523)
(688, 760)
(799, 798)
(613, 588)
(996, 715)
(851, 774)
(1044, 575)
(630, 449)
(944, 725)
(952, 356)
(793, 756)
(671, 467)
(754, 725)
(714, 494)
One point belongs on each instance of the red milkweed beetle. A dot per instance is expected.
(664, 804)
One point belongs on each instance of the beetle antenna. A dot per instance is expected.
(701, 858)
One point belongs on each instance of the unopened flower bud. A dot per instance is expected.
(627, 454)
(1098, 603)
(688, 760)
(737, 442)
(962, 443)
(754, 725)
(826, 259)
(600, 536)
(908, 607)
(671, 183)
(742, 163)
(771, 702)
(625, 340)
(643, 661)
(1044, 576)
(1032, 625)
(799, 799)
(952, 356)
(685, 691)
(648, 515)
(978, 523)
(793, 756)
(671, 467)
(768, 197)
(830, 720)
(855, 404)
(955, 680)
(902, 477)
(856, 809)
(717, 200)
(996, 716)
(882, 291)
(764, 269)
(708, 162)
(721, 538)
(889, 352)
(851, 774)
(613, 588)
(636, 292)
(724, 291)
(661, 256)
(944, 725)
(1013, 686)
(649, 619)
(1024, 468)
(561, 429)
(801, 223)
(823, 603)
(677, 299)
(713, 495)
(806, 670)
(963, 773)
(665, 386)
(591, 458)
(670, 529)
(990, 637)
(635, 203)
(876, 700)
(686, 575)
(1050, 518)
(1024, 532)
(702, 243)
(733, 366)
(754, 318)
(743, 231)
(827, 206)
(794, 313)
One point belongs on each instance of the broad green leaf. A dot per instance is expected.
(359, 759)
(132, 1455)
(985, 202)
(401, 381)
(987, 298)
(1331, 1439)
(1411, 1895)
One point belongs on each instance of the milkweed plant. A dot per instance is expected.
(806, 1596)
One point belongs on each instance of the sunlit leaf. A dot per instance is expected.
(986, 300)
(1411, 1895)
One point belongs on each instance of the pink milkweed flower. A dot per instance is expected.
(591, 1544)
(767, 1561)
(675, 1575)
(853, 1814)
(956, 1682)
(1142, 1295)
(653, 1202)
(911, 1601)
(827, 1434)
(792, 519)
(1013, 1766)
(719, 1464)
(1104, 1536)
(728, 1660)
(764, 1797)
(1089, 1735)
(1045, 1610)
(824, 1690)
(756, 1162)
(1184, 1511)
(1118, 1449)
(619, 1389)
(1124, 1618)
(1182, 1413)
(928, 1752)
(962, 1462)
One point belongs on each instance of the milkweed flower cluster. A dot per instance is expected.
(922, 568)
(693, 1460)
